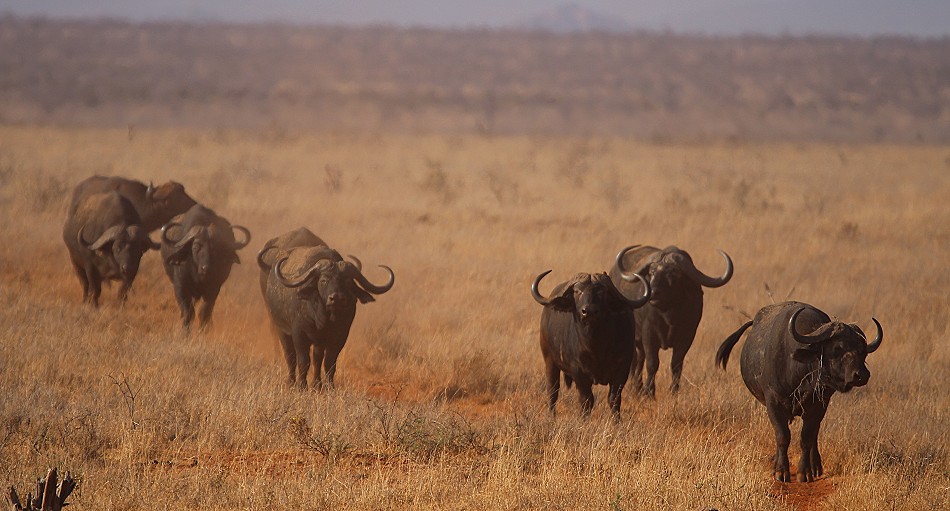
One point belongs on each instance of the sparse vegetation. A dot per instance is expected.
(440, 401)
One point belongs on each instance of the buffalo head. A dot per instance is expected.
(170, 196)
(200, 243)
(589, 296)
(335, 284)
(840, 349)
(668, 268)
(125, 244)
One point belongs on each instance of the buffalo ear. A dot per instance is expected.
(362, 295)
(564, 302)
(806, 355)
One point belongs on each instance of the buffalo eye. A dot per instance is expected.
(837, 351)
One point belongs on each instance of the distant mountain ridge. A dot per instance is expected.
(572, 18)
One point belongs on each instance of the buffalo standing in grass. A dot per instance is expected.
(671, 317)
(586, 333)
(794, 373)
(199, 260)
(116, 247)
(155, 205)
(311, 295)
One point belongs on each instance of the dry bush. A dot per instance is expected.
(440, 401)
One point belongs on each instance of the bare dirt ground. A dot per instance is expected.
(439, 402)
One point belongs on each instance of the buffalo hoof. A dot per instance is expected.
(783, 476)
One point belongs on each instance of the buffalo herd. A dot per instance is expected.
(596, 328)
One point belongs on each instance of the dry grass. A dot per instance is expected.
(439, 402)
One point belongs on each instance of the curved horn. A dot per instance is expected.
(619, 261)
(150, 191)
(356, 262)
(706, 280)
(876, 343)
(534, 290)
(370, 287)
(247, 236)
(295, 283)
(165, 229)
(190, 235)
(647, 291)
(823, 333)
(107, 236)
(260, 257)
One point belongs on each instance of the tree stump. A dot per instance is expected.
(50, 496)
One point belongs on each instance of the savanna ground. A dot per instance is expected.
(439, 401)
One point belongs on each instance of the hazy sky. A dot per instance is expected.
(861, 17)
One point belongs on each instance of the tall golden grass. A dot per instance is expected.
(439, 401)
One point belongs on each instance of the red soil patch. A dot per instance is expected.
(804, 496)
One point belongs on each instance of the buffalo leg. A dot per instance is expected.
(585, 396)
(302, 350)
(329, 366)
(613, 397)
(207, 306)
(95, 286)
(809, 468)
(81, 273)
(553, 387)
(186, 304)
(676, 367)
(290, 355)
(124, 291)
(636, 369)
(779, 418)
(652, 356)
(319, 352)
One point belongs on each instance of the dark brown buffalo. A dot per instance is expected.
(586, 333)
(155, 205)
(794, 360)
(275, 247)
(311, 296)
(105, 242)
(198, 259)
(672, 316)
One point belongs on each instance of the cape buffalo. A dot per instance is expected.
(794, 360)
(586, 333)
(118, 242)
(671, 317)
(199, 261)
(155, 205)
(275, 247)
(311, 296)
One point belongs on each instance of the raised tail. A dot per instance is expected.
(722, 355)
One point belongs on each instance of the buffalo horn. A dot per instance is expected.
(107, 236)
(876, 343)
(647, 291)
(247, 236)
(260, 257)
(534, 290)
(167, 227)
(190, 235)
(356, 262)
(623, 271)
(278, 272)
(150, 191)
(370, 287)
(823, 333)
(706, 280)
